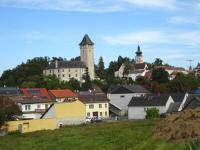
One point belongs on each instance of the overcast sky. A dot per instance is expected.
(166, 29)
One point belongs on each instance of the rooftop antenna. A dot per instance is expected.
(190, 63)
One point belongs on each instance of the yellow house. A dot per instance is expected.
(96, 104)
(58, 114)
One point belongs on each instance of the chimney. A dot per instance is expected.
(56, 64)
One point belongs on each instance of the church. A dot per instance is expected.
(66, 70)
(139, 68)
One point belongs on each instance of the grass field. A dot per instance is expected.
(133, 135)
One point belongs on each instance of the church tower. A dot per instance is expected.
(139, 58)
(87, 54)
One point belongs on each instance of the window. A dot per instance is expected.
(106, 106)
(69, 70)
(27, 107)
(101, 114)
(63, 75)
(63, 70)
(58, 76)
(100, 105)
(38, 106)
(58, 70)
(91, 106)
(76, 75)
(88, 114)
(106, 113)
(122, 96)
(69, 75)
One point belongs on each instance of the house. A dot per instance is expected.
(57, 115)
(96, 104)
(63, 95)
(192, 102)
(32, 107)
(36, 92)
(66, 113)
(121, 95)
(9, 91)
(66, 70)
(197, 70)
(179, 102)
(139, 68)
(139, 105)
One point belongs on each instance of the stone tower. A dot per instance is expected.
(87, 54)
(139, 58)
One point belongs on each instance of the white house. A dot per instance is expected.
(139, 105)
(121, 95)
(32, 107)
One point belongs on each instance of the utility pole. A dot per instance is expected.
(190, 63)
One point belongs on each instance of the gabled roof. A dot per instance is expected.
(193, 101)
(9, 91)
(36, 92)
(177, 97)
(86, 41)
(125, 89)
(91, 97)
(149, 101)
(66, 93)
(138, 66)
(174, 107)
(66, 64)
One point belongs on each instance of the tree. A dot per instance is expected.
(127, 67)
(160, 75)
(142, 80)
(101, 68)
(87, 84)
(75, 84)
(157, 62)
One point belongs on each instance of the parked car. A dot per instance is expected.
(96, 120)
(88, 119)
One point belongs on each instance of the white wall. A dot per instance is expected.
(33, 107)
(140, 112)
(32, 116)
(122, 102)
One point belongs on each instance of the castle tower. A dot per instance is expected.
(87, 54)
(139, 58)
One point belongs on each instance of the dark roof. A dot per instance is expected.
(9, 91)
(36, 92)
(193, 101)
(66, 64)
(149, 101)
(177, 97)
(174, 107)
(30, 100)
(90, 97)
(125, 89)
(138, 66)
(86, 41)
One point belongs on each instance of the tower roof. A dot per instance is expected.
(86, 41)
(138, 52)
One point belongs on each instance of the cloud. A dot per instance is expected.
(89, 5)
(167, 4)
(191, 38)
(184, 20)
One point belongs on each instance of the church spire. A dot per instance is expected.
(138, 52)
(86, 41)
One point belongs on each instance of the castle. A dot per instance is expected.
(66, 70)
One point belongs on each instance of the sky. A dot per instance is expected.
(166, 29)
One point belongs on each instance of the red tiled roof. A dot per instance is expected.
(62, 93)
(36, 92)
(171, 68)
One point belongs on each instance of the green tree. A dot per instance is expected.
(75, 84)
(127, 67)
(157, 62)
(87, 84)
(160, 75)
(101, 68)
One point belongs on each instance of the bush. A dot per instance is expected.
(152, 113)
